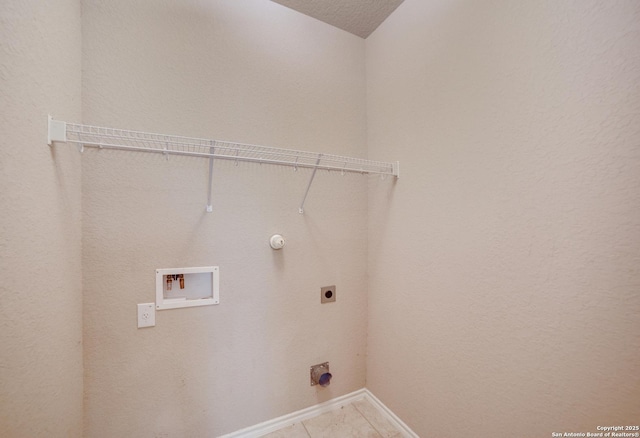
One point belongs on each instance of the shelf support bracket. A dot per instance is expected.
(57, 131)
(313, 174)
(209, 204)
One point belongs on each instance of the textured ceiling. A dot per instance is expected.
(360, 17)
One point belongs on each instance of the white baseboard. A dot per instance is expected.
(304, 414)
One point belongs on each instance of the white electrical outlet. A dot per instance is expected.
(146, 315)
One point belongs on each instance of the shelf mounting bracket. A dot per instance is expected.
(57, 131)
(209, 204)
(313, 174)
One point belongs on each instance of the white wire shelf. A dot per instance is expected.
(121, 139)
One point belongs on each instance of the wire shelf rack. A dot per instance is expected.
(121, 139)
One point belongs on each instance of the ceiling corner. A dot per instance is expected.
(359, 17)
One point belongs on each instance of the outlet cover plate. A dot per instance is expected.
(146, 315)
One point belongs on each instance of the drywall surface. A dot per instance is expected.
(504, 265)
(254, 72)
(40, 261)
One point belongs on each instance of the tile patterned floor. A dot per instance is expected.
(359, 419)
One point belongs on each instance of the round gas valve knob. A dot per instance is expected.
(276, 241)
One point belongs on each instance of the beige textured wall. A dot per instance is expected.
(40, 291)
(250, 71)
(504, 266)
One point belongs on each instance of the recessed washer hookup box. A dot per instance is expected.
(187, 287)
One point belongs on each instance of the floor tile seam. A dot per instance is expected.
(336, 410)
(367, 420)
(305, 428)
